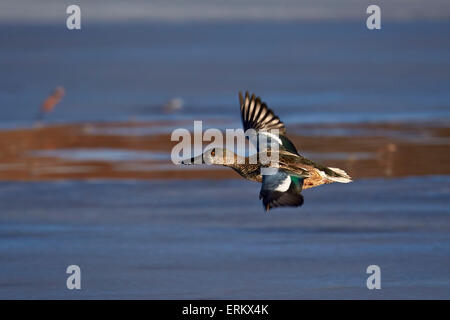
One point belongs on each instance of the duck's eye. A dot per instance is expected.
(213, 152)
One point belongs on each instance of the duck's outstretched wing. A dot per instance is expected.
(257, 115)
(281, 190)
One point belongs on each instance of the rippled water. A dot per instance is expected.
(308, 72)
(212, 239)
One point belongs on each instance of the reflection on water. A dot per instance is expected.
(101, 154)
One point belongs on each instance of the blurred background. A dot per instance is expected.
(85, 170)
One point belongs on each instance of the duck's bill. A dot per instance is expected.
(194, 160)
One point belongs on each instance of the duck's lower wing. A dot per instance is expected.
(281, 190)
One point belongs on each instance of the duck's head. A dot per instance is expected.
(217, 156)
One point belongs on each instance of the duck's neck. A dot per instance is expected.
(235, 161)
(243, 167)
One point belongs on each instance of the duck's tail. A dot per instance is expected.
(341, 176)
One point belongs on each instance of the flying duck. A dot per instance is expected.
(293, 173)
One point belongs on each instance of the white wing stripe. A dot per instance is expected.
(272, 136)
(284, 186)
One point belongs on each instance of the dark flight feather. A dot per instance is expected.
(256, 115)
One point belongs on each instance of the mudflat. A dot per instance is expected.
(141, 150)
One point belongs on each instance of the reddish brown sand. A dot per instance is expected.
(387, 149)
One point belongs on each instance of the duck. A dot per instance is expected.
(281, 183)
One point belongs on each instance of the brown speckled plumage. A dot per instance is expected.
(290, 174)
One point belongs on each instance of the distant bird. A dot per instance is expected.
(50, 102)
(293, 173)
(173, 105)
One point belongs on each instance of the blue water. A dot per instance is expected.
(308, 72)
(212, 239)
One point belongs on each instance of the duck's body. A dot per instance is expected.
(292, 172)
(314, 174)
